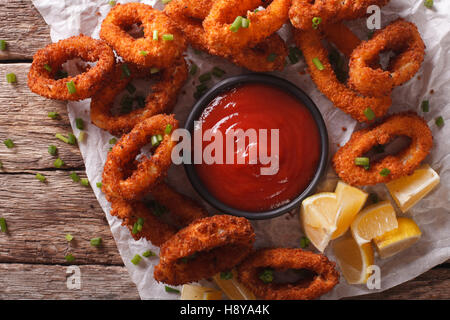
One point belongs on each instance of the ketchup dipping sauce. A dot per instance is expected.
(260, 106)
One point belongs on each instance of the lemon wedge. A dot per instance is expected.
(350, 200)
(193, 292)
(373, 221)
(408, 190)
(233, 288)
(318, 216)
(394, 241)
(353, 259)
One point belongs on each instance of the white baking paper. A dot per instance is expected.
(71, 17)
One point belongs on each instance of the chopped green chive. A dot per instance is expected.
(292, 55)
(362, 162)
(159, 137)
(315, 22)
(84, 182)
(167, 37)
(148, 253)
(112, 141)
(201, 88)
(193, 69)
(370, 115)
(99, 185)
(304, 242)
(137, 227)
(71, 139)
(130, 88)
(58, 163)
(112, 3)
(155, 34)
(385, 172)
(136, 259)
(74, 176)
(71, 87)
(82, 136)
(217, 72)
(318, 64)
(61, 74)
(47, 67)
(425, 105)
(126, 73)
(428, 3)
(266, 276)
(439, 121)
(165, 1)
(40, 177)
(52, 150)
(154, 70)
(11, 78)
(79, 123)
(53, 115)
(237, 24)
(3, 226)
(245, 23)
(9, 143)
(271, 57)
(168, 129)
(226, 275)
(205, 77)
(61, 137)
(172, 290)
(2, 45)
(69, 258)
(143, 53)
(95, 242)
(154, 140)
(69, 237)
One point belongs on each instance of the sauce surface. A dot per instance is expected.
(258, 106)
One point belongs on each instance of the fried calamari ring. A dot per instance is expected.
(263, 23)
(47, 62)
(400, 36)
(204, 248)
(344, 98)
(188, 15)
(302, 12)
(162, 97)
(150, 170)
(143, 51)
(404, 163)
(325, 278)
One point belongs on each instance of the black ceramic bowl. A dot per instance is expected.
(228, 84)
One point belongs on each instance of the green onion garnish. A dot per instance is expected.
(154, 70)
(69, 237)
(112, 3)
(40, 177)
(385, 172)
(172, 290)
(11, 78)
(9, 143)
(315, 22)
(148, 253)
(52, 150)
(217, 72)
(245, 23)
(201, 88)
(99, 185)
(69, 257)
(3, 226)
(428, 3)
(71, 87)
(79, 123)
(154, 141)
(71, 139)
(2, 45)
(143, 53)
(61, 137)
(304, 242)
(370, 115)
(293, 56)
(82, 136)
(155, 34)
(425, 105)
(84, 182)
(130, 88)
(74, 176)
(47, 67)
(167, 37)
(193, 69)
(168, 129)
(226, 275)
(136, 259)
(439, 121)
(266, 276)
(205, 77)
(318, 64)
(126, 73)
(53, 115)
(271, 57)
(159, 137)
(362, 161)
(165, 1)
(237, 24)
(112, 141)
(95, 242)
(58, 163)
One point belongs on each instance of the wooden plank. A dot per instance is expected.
(40, 215)
(24, 119)
(23, 28)
(24, 281)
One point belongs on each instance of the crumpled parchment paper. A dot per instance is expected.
(71, 17)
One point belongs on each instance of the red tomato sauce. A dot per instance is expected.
(258, 106)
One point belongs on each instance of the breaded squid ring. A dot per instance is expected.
(401, 37)
(302, 12)
(326, 81)
(162, 97)
(188, 15)
(150, 170)
(143, 51)
(204, 248)
(263, 23)
(47, 62)
(404, 163)
(283, 259)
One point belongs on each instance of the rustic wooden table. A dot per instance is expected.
(39, 215)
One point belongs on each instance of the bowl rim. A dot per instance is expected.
(280, 83)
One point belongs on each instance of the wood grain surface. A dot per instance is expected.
(39, 215)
